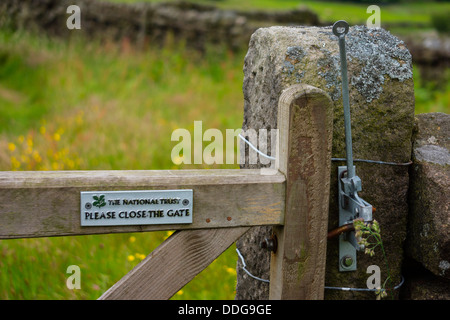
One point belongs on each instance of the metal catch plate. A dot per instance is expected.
(347, 251)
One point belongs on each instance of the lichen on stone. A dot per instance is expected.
(444, 266)
(380, 54)
(329, 69)
(294, 55)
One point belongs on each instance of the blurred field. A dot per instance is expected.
(84, 106)
(330, 11)
(76, 105)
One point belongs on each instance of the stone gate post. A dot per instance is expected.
(382, 117)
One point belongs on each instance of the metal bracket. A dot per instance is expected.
(351, 207)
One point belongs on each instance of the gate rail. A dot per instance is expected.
(226, 204)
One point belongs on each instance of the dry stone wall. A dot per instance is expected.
(148, 23)
(428, 242)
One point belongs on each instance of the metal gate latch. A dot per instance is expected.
(351, 206)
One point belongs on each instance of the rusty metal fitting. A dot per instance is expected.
(338, 231)
(270, 244)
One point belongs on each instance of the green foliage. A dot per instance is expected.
(382, 1)
(15, 113)
(441, 21)
(432, 96)
(404, 13)
(109, 106)
(25, 266)
(369, 236)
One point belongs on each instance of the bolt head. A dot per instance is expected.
(347, 261)
(270, 244)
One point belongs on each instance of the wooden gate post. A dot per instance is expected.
(305, 123)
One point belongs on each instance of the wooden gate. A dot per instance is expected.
(226, 204)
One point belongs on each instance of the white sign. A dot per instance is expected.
(137, 207)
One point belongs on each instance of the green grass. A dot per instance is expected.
(103, 260)
(106, 107)
(123, 104)
(76, 105)
(37, 268)
(14, 113)
(432, 96)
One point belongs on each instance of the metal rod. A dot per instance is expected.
(340, 29)
(346, 101)
(339, 230)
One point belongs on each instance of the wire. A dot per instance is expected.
(363, 289)
(376, 161)
(332, 159)
(245, 269)
(254, 148)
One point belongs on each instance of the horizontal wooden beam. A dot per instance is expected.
(47, 203)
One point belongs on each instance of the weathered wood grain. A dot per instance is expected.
(173, 264)
(47, 203)
(305, 121)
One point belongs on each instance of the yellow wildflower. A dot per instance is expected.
(15, 163)
(70, 164)
(178, 160)
(168, 234)
(130, 258)
(132, 239)
(230, 270)
(37, 156)
(140, 256)
(11, 146)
